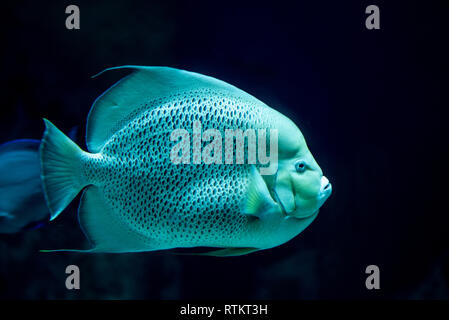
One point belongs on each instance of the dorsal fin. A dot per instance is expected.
(145, 84)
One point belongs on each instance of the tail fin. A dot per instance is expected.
(61, 173)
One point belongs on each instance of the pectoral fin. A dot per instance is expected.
(258, 200)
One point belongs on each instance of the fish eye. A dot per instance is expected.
(300, 166)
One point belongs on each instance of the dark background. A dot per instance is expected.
(371, 104)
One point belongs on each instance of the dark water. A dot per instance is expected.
(371, 104)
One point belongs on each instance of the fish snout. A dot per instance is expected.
(326, 187)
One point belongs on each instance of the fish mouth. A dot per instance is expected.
(326, 191)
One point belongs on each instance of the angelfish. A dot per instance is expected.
(22, 202)
(135, 199)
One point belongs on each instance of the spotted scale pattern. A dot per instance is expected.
(178, 205)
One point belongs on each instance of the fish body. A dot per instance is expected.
(136, 199)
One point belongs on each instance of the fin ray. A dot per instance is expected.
(60, 169)
(258, 199)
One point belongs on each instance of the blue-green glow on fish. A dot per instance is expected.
(136, 199)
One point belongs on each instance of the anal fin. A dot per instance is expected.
(226, 252)
(103, 227)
